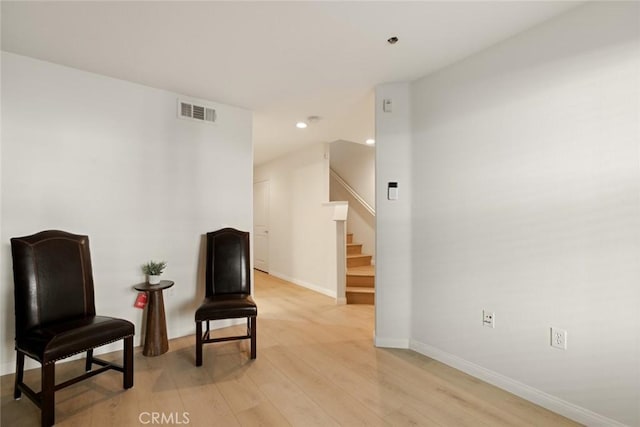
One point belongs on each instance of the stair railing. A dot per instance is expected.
(353, 193)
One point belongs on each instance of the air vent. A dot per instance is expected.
(189, 110)
(198, 112)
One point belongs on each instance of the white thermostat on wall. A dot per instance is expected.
(392, 191)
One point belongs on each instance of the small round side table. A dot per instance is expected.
(155, 341)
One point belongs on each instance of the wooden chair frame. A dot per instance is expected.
(45, 399)
(202, 339)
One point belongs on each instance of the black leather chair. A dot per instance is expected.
(228, 288)
(56, 316)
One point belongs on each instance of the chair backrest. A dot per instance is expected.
(228, 266)
(53, 279)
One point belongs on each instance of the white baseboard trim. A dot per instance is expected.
(302, 283)
(552, 403)
(341, 301)
(391, 342)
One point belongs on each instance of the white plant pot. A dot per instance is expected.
(153, 280)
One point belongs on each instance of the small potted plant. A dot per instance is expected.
(153, 270)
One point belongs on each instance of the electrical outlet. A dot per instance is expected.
(489, 318)
(559, 338)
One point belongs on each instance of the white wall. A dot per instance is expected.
(526, 185)
(301, 228)
(355, 164)
(393, 218)
(107, 158)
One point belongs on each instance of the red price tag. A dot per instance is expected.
(141, 300)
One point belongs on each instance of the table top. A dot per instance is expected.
(164, 284)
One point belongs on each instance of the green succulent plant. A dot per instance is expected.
(153, 268)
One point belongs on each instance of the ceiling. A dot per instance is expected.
(285, 61)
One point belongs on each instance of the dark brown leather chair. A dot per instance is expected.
(56, 316)
(228, 288)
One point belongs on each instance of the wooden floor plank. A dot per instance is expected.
(287, 396)
(316, 365)
(264, 414)
(422, 386)
(346, 410)
(525, 412)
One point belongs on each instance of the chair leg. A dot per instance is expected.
(253, 336)
(17, 393)
(127, 371)
(198, 343)
(48, 402)
(89, 361)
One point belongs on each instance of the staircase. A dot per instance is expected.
(360, 274)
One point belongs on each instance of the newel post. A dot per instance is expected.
(340, 211)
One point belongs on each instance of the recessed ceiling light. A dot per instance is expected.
(301, 125)
(370, 141)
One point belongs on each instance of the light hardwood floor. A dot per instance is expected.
(316, 366)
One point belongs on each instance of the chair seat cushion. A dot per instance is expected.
(54, 341)
(226, 306)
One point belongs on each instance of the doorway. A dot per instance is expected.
(261, 226)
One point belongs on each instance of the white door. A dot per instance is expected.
(261, 225)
